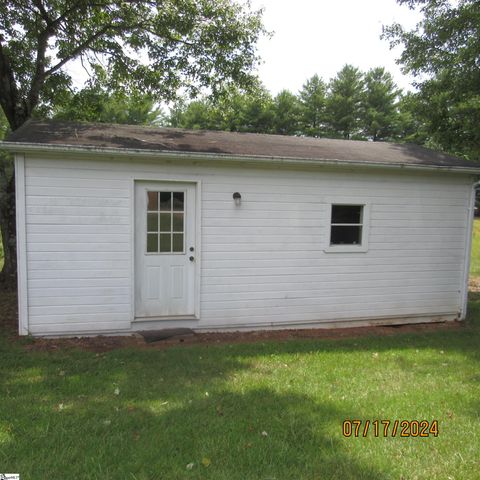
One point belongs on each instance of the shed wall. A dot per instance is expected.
(262, 263)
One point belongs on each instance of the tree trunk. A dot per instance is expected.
(8, 275)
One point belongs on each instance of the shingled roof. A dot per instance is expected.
(129, 138)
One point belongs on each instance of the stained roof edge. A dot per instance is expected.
(19, 147)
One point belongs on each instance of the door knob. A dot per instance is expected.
(191, 259)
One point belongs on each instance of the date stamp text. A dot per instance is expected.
(390, 428)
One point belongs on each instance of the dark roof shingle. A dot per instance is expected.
(97, 135)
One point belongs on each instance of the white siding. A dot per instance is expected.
(262, 262)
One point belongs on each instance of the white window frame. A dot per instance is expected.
(184, 211)
(363, 245)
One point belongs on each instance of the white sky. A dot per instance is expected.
(320, 36)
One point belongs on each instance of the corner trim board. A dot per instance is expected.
(468, 249)
(23, 323)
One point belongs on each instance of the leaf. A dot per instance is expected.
(206, 462)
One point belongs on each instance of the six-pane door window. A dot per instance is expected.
(166, 222)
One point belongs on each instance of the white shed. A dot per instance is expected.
(124, 228)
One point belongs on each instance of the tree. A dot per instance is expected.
(247, 111)
(344, 102)
(312, 98)
(286, 119)
(198, 114)
(96, 103)
(188, 43)
(443, 52)
(192, 43)
(379, 114)
(7, 200)
(411, 125)
(234, 110)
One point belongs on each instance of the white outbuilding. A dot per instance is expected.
(127, 228)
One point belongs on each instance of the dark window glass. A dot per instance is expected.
(345, 235)
(165, 242)
(165, 222)
(178, 222)
(165, 201)
(152, 222)
(346, 214)
(177, 242)
(178, 201)
(152, 242)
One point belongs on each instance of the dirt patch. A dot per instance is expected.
(92, 344)
(8, 320)
(102, 343)
(474, 284)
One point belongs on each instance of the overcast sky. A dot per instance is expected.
(320, 36)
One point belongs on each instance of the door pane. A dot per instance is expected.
(165, 201)
(152, 201)
(178, 222)
(177, 242)
(165, 222)
(152, 242)
(152, 222)
(165, 242)
(178, 201)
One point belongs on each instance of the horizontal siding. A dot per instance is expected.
(262, 262)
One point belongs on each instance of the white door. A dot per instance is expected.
(165, 256)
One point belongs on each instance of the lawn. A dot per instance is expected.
(246, 411)
(475, 257)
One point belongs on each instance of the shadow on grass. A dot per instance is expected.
(61, 415)
(171, 409)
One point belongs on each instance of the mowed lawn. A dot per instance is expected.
(270, 410)
(475, 257)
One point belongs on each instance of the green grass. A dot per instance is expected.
(61, 416)
(1, 253)
(475, 257)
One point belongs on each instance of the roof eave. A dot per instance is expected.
(20, 147)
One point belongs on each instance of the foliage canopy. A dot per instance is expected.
(156, 46)
(443, 51)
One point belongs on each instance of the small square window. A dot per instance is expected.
(346, 225)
